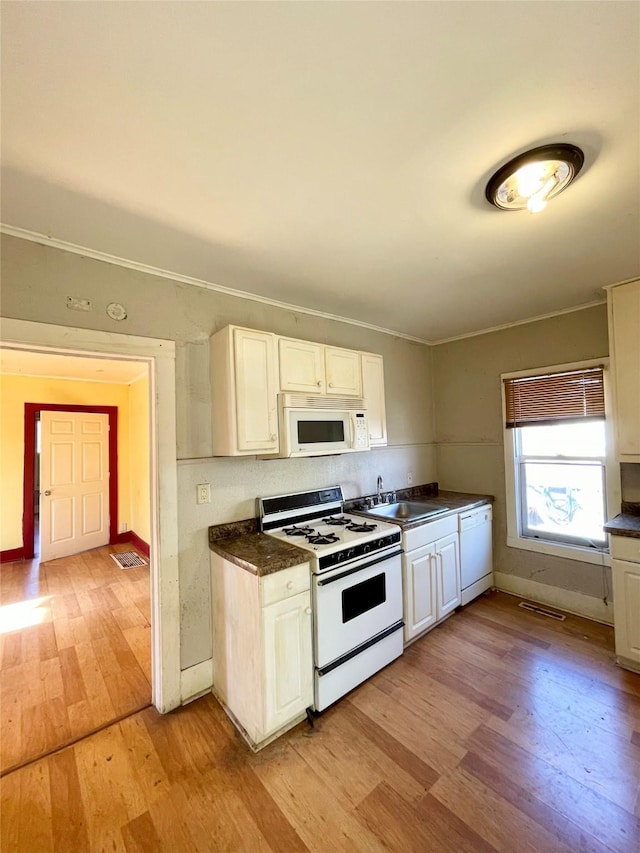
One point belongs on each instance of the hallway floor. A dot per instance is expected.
(75, 649)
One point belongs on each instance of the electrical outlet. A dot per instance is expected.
(123, 527)
(203, 493)
(409, 478)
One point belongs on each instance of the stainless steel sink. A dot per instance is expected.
(406, 510)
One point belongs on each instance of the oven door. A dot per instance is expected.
(352, 606)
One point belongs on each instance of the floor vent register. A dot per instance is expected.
(541, 611)
(128, 560)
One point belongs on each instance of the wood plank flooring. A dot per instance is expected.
(75, 649)
(499, 730)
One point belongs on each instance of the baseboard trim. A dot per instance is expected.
(132, 536)
(561, 599)
(139, 543)
(121, 538)
(196, 681)
(12, 555)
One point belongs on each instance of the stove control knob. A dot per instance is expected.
(351, 553)
(366, 548)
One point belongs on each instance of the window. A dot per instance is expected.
(556, 455)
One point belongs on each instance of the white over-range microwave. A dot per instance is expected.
(319, 426)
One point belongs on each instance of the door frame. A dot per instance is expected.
(28, 506)
(160, 356)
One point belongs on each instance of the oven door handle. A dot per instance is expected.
(325, 581)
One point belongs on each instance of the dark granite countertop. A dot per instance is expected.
(627, 523)
(241, 544)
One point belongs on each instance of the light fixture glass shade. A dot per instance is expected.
(531, 179)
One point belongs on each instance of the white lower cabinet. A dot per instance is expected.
(420, 594)
(262, 652)
(431, 575)
(625, 568)
(287, 660)
(448, 574)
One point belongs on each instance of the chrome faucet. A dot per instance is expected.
(379, 488)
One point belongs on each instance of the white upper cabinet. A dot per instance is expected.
(244, 392)
(624, 317)
(301, 366)
(373, 394)
(310, 368)
(249, 368)
(343, 372)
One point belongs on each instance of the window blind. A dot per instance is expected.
(554, 397)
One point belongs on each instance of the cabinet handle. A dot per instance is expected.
(273, 436)
(289, 584)
(319, 383)
(307, 610)
(330, 384)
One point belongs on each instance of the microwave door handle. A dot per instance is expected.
(352, 431)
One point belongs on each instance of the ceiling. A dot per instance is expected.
(331, 155)
(29, 363)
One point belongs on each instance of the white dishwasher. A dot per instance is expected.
(476, 552)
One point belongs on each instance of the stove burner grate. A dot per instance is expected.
(336, 521)
(322, 539)
(298, 531)
(361, 528)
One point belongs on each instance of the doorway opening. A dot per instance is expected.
(159, 356)
(86, 634)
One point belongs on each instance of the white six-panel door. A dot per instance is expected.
(74, 483)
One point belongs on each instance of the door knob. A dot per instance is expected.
(47, 493)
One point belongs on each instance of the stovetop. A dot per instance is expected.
(332, 533)
(321, 527)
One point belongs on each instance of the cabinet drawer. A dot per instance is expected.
(625, 548)
(429, 532)
(288, 582)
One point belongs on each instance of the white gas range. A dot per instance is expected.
(356, 586)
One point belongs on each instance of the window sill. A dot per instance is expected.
(554, 549)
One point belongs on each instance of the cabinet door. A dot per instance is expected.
(301, 366)
(288, 660)
(343, 372)
(626, 603)
(420, 610)
(255, 387)
(626, 351)
(448, 570)
(373, 394)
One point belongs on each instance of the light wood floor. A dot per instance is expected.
(75, 649)
(500, 730)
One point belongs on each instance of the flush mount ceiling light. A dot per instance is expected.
(531, 179)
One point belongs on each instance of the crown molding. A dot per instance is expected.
(511, 325)
(53, 242)
(63, 245)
